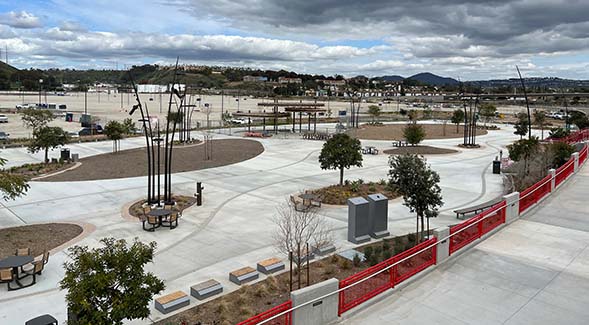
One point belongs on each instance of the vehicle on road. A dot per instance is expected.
(238, 121)
(4, 137)
(3, 118)
(97, 129)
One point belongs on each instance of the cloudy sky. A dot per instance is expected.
(470, 40)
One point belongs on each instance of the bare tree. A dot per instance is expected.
(296, 228)
(208, 144)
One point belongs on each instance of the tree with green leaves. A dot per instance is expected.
(47, 137)
(115, 130)
(579, 119)
(413, 178)
(11, 185)
(524, 150)
(108, 284)
(36, 119)
(341, 152)
(457, 118)
(129, 126)
(540, 121)
(374, 111)
(561, 153)
(414, 133)
(487, 111)
(521, 126)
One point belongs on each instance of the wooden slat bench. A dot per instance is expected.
(243, 275)
(399, 143)
(171, 302)
(206, 289)
(323, 250)
(461, 213)
(270, 265)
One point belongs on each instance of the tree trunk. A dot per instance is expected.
(457, 125)
(341, 176)
(422, 229)
(542, 128)
(46, 155)
(416, 230)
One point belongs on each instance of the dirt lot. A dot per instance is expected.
(395, 132)
(419, 150)
(38, 238)
(133, 163)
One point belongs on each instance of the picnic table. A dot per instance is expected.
(14, 262)
(400, 143)
(369, 150)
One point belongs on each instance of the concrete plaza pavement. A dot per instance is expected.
(534, 271)
(234, 226)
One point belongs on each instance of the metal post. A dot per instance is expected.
(299, 265)
(308, 273)
(199, 189)
(290, 258)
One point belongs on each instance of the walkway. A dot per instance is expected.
(534, 271)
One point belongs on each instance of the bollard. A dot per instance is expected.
(199, 189)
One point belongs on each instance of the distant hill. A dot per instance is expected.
(394, 78)
(433, 80)
(7, 68)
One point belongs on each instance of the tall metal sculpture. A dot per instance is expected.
(527, 103)
(154, 139)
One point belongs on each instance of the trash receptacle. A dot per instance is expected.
(496, 167)
(69, 117)
(65, 154)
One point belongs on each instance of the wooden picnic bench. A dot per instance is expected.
(270, 265)
(460, 213)
(171, 302)
(400, 143)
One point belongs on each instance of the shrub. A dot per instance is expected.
(372, 188)
(386, 255)
(356, 261)
(334, 259)
(386, 246)
(368, 252)
(373, 260)
(382, 182)
(414, 133)
(345, 265)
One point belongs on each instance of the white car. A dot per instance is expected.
(3, 118)
(238, 121)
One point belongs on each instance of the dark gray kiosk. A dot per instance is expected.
(379, 209)
(358, 220)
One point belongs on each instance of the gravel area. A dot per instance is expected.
(36, 237)
(133, 163)
(395, 131)
(419, 150)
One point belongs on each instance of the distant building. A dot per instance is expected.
(286, 80)
(152, 88)
(335, 83)
(255, 79)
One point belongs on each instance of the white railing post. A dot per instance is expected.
(576, 157)
(552, 173)
(443, 249)
(512, 206)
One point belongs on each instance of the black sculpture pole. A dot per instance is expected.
(465, 121)
(147, 136)
(159, 173)
(153, 183)
(179, 107)
(166, 169)
(527, 103)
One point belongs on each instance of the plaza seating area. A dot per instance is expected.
(305, 201)
(22, 266)
(154, 217)
(400, 143)
(461, 213)
(369, 150)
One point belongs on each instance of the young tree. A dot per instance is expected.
(11, 185)
(521, 126)
(36, 119)
(413, 115)
(108, 284)
(374, 111)
(540, 120)
(487, 111)
(561, 152)
(457, 118)
(414, 133)
(296, 229)
(47, 138)
(115, 131)
(579, 119)
(524, 149)
(129, 126)
(410, 176)
(341, 152)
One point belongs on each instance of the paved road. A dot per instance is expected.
(534, 271)
(234, 226)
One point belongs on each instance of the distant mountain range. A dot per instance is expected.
(425, 78)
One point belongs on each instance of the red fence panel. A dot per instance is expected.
(534, 193)
(464, 233)
(493, 217)
(583, 155)
(564, 171)
(361, 292)
(285, 319)
(414, 264)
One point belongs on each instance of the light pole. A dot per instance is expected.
(40, 90)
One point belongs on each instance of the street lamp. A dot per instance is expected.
(40, 90)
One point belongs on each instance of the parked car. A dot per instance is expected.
(90, 131)
(25, 106)
(3, 118)
(73, 134)
(238, 121)
(4, 137)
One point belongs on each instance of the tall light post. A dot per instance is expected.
(40, 90)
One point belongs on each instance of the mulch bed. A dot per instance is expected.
(395, 131)
(38, 238)
(32, 170)
(183, 202)
(133, 163)
(251, 300)
(419, 150)
(339, 194)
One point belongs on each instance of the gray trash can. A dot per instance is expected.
(496, 167)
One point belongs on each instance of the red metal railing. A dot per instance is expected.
(472, 229)
(534, 193)
(573, 138)
(368, 283)
(583, 155)
(285, 319)
(493, 217)
(564, 171)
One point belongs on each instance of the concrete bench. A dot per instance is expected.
(171, 302)
(270, 265)
(206, 289)
(243, 275)
(323, 250)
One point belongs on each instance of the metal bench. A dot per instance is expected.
(206, 289)
(461, 213)
(399, 143)
(171, 302)
(243, 275)
(270, 265)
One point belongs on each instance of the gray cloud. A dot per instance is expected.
(20, 19)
